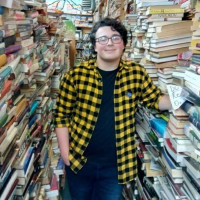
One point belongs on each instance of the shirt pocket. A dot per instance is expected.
(129, 96)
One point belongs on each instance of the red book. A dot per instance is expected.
(6, 88)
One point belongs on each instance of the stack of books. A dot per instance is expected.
(168, 163)
(192, 75)
(26, 99)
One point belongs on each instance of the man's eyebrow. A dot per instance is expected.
(107, 36)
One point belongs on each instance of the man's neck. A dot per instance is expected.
(108, 66)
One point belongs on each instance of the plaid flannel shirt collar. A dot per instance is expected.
(92, 64)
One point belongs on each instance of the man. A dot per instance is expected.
(95, 116)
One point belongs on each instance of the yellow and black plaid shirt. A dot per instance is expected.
(78, 106)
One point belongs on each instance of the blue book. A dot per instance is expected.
(32, 121)
(159, 125)
(5, 72)
(1, 10)
(34, 107)
(28, 158)
(60, 164)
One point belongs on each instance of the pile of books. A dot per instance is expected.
(26, 99)
(169, 157)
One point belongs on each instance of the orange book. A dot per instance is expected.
(3, 60)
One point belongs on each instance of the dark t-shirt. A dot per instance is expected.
(102, 146)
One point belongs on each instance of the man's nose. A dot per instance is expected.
(110, 41)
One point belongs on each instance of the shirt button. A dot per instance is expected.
(99, 80)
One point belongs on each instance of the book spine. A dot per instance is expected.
(195, 122)
(160, 11)
(195, 68)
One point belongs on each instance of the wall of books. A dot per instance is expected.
(33, 57)
(164, 37)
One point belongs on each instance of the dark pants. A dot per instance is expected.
(94, 182)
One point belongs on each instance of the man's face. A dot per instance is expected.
(112, 50)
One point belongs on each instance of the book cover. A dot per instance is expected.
(174, 169)
(159, 125)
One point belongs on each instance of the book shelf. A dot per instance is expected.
(34, 52)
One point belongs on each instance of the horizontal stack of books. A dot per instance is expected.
(169, 159)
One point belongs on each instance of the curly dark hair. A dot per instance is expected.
(115, 24)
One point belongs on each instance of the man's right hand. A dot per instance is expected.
(63, 142)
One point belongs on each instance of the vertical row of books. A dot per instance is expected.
(31, 56)
(168, 143)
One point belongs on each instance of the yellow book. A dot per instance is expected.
(160, 11)
(164, 9)
(194, 42)
(3, 60)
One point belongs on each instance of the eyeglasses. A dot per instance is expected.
(116, 39)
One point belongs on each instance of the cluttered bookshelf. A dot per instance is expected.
(34, 55)
(163, 38)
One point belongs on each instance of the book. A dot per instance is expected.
(179, 25)
(159, 125)
(152, 173)
(174, 169)
(179, 122)
(192, 77)
(164, 9)
(174, 129)
(164, 59)
(177, 156)
(171, 52)
(166, 48)
(166, 64)
(194, 121)
(3, 60)
(195, 67)
(188, 182)
(5, 192)
(180, 145)
(168, 42)
(158, 3)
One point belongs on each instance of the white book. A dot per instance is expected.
(3, 109)
(166, 192)
(194, 192)
(193, 87)
(178, 156)
(21, 172)
(164, 59)
(191, 75)
(187, 192)
(157, 40)
(192, 168)
(2, 45)
(141, 132)
(169, 42)
(173, 168)
(155, 24)
(11, 134)
(8, 186)
(183, 145)
(165, 48)
(138, 1)
(157, 3)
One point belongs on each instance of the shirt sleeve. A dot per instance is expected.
(151, 94)
(65, 102)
